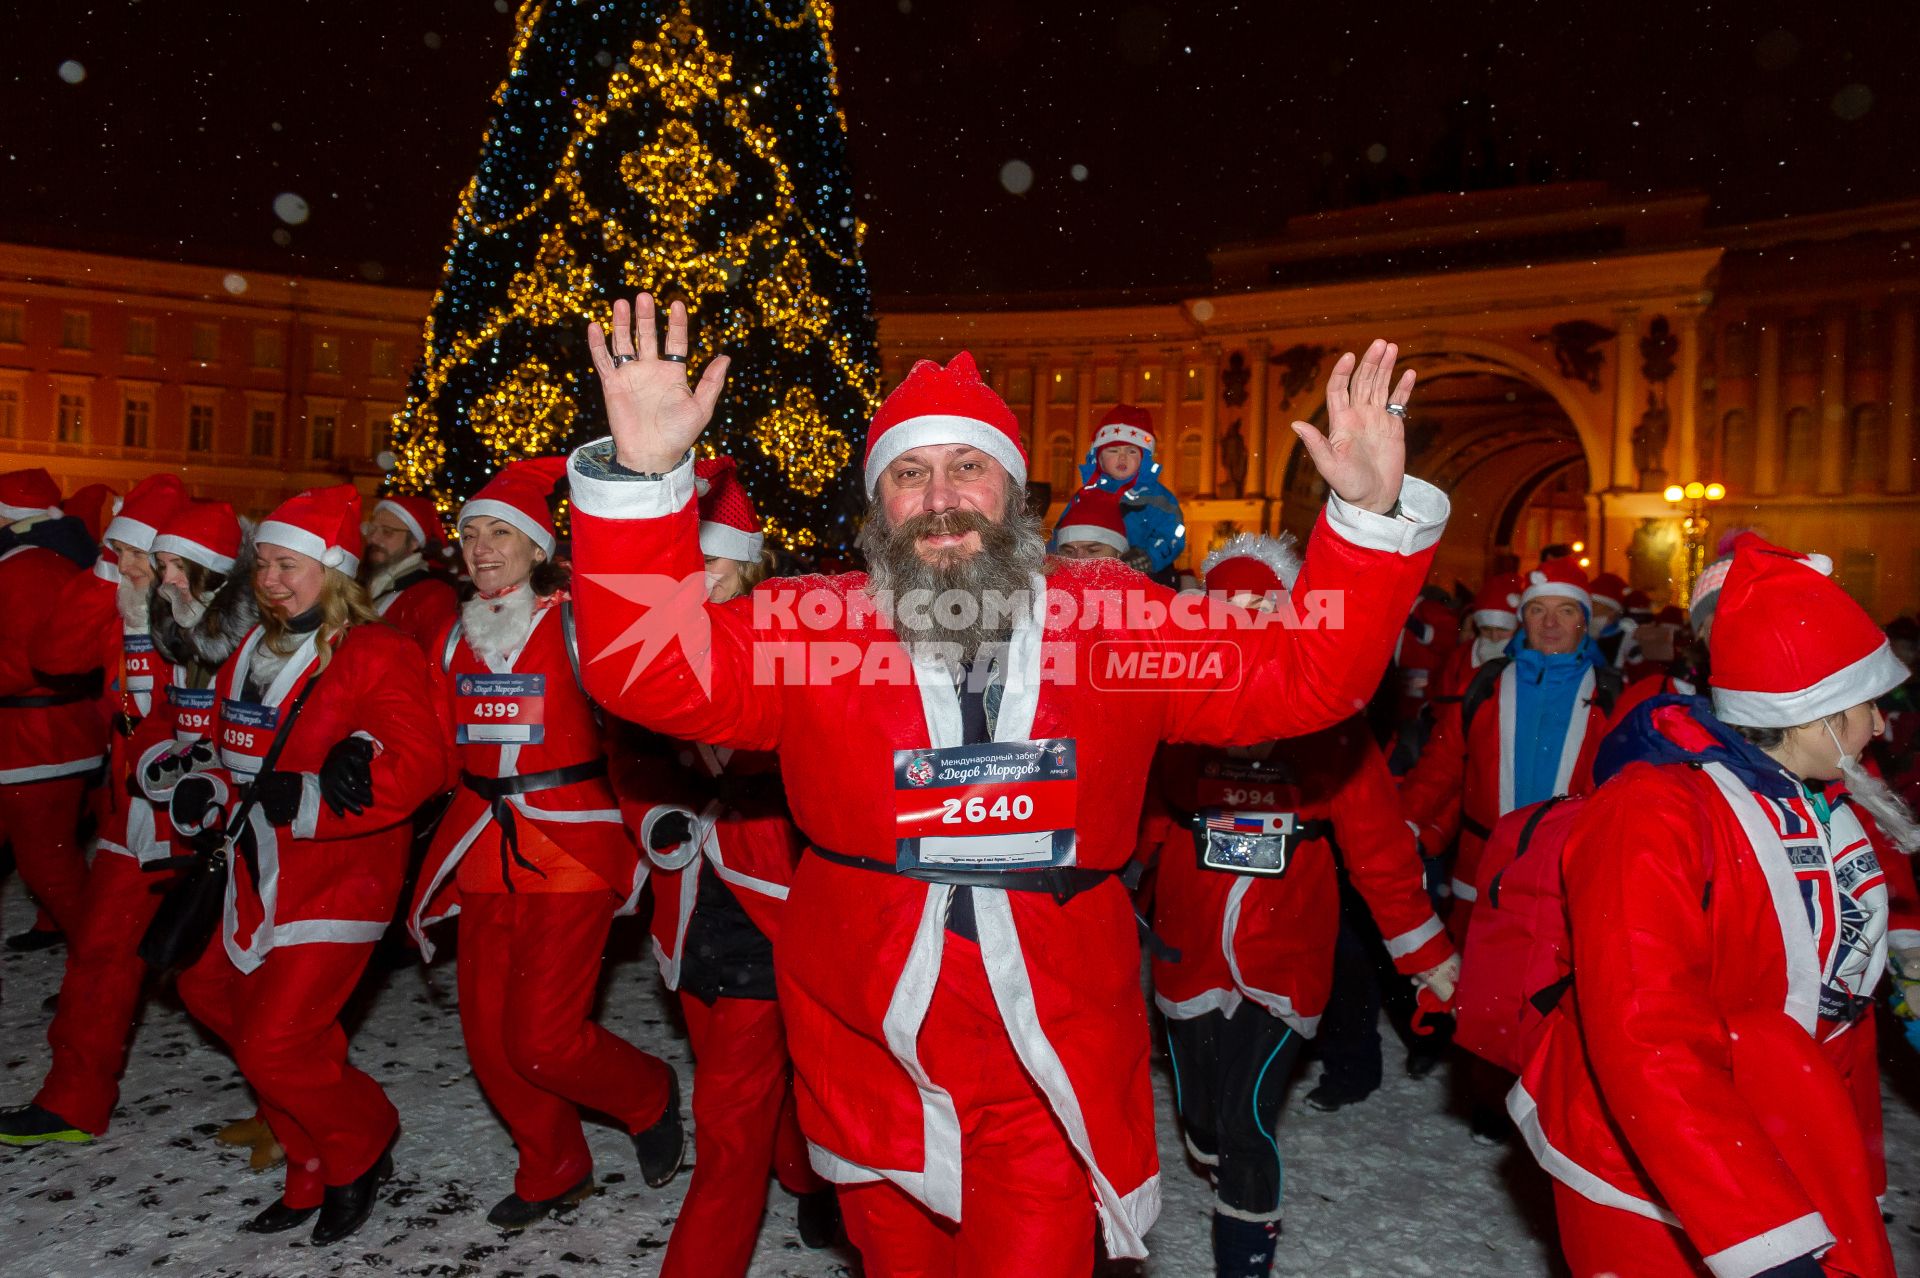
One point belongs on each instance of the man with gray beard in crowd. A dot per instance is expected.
(964, 736)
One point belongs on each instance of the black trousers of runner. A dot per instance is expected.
(1230, 1073)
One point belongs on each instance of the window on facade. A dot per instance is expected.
(1802, 469)
(206, 342)
(1187, 472)
(1736, 452)
(1867, 448)
(136, 421)
(1195, 386)
(268, 348)
(1020, 385)
(13, 325)
(1106, 384)
(1151, 384)
(76, 331)
(200, 428)
(1859, 576)
(9, 412)
(1061, 474)
(385, 359)
(321, 428)
(326, 353)
(142, 335)
(1061, 391)
(263, 429)
(70, 419)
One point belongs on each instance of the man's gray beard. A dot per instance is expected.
(132, 604)
(1888, 810)
(997, 579)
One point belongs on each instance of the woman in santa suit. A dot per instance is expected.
(1706, 1094)
(1247, 895)
(715, 827)
(316, 863)
(533, 857)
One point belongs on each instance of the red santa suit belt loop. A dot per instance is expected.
(496, 791)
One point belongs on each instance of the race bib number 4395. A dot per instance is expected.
(1005, 805)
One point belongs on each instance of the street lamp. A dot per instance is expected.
(1694, 497)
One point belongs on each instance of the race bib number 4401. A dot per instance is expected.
(1003, 805)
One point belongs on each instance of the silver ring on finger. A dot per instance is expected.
(673, 359)
(1398, 410)
(618, 360)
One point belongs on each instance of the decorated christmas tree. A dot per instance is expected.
(691, 148)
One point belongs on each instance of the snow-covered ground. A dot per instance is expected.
(1392, 1187)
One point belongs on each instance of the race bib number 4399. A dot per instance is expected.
(1005, 805)
(500, 709)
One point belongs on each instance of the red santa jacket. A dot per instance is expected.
(45, 732)
(803, 667)
(326, 877)
(1696, 1074)
(421, 605)
(1271, 939)
(1463, 782)
(741, 832)
(520, 715)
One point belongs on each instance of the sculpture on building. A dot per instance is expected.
(1299, 368)
(1576, 349)
(1233, 459)
(1233, 380)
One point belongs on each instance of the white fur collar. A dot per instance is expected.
(497, 628)
(383, 580)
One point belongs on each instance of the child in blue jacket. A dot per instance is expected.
(1121, 460)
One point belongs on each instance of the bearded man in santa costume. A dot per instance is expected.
(397, 566)
(534, 858)
(962, 996)
(52, 732)
(325, 736)
(199, 568)
(1247, 902)
(722, 850)
(1706, 1094)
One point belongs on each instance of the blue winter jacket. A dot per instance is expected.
(1546, 688)
(1149, 509)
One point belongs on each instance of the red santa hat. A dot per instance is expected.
(1498, 603)
(519, 494)
(1560, 578)
(729, 528)
(147, 505)
(1252, 564)
(320, 523)
(1638, 603)
(1093, 515)
(202, 532)
(950, 405)
(419, 514)
(25, 494)
(1125, 424)
(89, 505)
(1789, 646)
(1609, 588)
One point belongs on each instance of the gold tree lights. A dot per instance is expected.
(691, 148)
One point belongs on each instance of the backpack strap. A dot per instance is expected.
(1520, 845)
(452, 644)
(1485, 680)
(572, 638)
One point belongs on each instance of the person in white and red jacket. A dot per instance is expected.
(403, 545)
(534, 858)
(1707, 1092)
(722, 847)
(314, 869)
(970, 1046)
(1247, 895)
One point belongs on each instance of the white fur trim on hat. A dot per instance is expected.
(131, 532)
(1282, 554)
(1557, 589)
(542, 536)
(942, 428)
(194, 551)
(405, 516)
(14, 514)
(1066, 534)
(1496, 618)
(724, 541)
(1874, 675)
(1122, 433)
(273, 532)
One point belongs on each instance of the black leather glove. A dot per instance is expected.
(279, 796)
(670, 831)
(346, 778)
(191, 802)
(169, 766)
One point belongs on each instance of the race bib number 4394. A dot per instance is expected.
(1005, 805)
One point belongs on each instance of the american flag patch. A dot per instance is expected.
(1229, 823)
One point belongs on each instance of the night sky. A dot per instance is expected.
(1151, 131)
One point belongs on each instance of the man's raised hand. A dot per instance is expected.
(654, 414)
(1363, 455)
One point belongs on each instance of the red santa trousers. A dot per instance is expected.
(100, 992)
(282, 1023)
(743, 1127)
(40, 819)
(529, 964)
(1026, 1204)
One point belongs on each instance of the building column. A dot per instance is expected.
(1037, 389)
(1766, 410)
(1626, 397)
(1082, 408)
(1170, 432)
(1686, 457)
(1253, 425)
(1210, 418)
(1833, 404)
(1900, 404)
